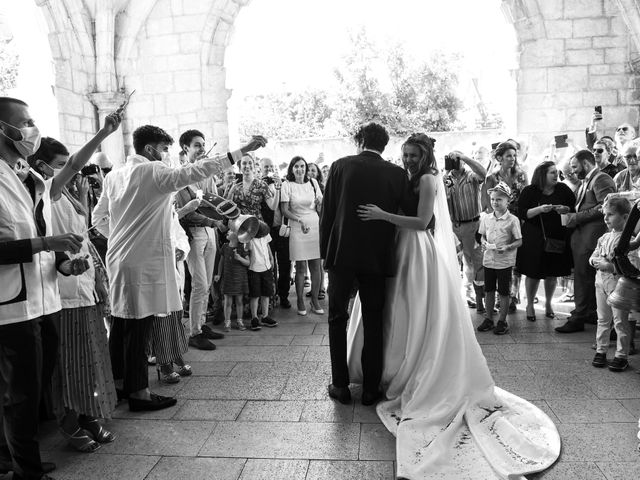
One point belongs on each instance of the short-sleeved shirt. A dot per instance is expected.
(463, 195)
(259, 254)
(301, 196)
(500, 231)
(250, 203)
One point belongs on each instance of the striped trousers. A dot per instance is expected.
(168, 339)
(127, 347)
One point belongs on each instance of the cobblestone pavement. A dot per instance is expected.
(256, 409)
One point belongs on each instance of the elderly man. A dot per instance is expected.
(135, 212)
(463, 186)
(588, 224)
(629, 179)
(623, 134)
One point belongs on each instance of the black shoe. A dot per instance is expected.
(268, 322)
(481, 310)
(512, 305)
(570, 327)
(210, 333)
(341, 394)
(486, 325)
(371, 398)
(501, 328)
(255, 324)
(284, 302)
(600, 360)
(618, 364)
(47, 467)
(157, 402)
(201, 343)
(471, 303)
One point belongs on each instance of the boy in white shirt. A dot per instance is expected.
(261, 277)
(501, 238)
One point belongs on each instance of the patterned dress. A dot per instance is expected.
(249, 202)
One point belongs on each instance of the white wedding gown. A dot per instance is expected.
(449, 418)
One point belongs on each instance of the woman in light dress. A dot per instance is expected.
(449, 418)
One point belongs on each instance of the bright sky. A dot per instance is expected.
(36, 76)
(292, 44)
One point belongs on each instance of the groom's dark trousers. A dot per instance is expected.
(372, 296)
(364, 251)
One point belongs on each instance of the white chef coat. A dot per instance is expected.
(134, 212)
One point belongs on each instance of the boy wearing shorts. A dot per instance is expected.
(501, 238)
(261, 277)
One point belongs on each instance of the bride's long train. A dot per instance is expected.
(449, 418)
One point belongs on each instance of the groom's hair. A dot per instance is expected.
(372, 136)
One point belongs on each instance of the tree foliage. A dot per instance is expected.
(8, 67)
(372, 83)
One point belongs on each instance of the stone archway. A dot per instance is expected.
(574, 54)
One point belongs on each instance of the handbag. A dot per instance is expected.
(552, 245)
(285, 229)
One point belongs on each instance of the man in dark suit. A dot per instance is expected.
(354, 250)
(589, 225)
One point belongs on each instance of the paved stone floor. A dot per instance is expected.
(256, 409)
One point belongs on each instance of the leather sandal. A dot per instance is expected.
(81, 440)
(97, 431)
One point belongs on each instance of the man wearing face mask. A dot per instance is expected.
(134, 213)
(202, 240)
(29, 298)
(463, 187)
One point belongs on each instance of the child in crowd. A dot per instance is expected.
(232, 269)
(501, 237)
(616, 210)
(261, 286)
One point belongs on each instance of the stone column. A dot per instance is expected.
(113, 146)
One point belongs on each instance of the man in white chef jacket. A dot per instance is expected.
(134, 213)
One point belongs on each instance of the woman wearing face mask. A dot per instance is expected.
(301, 199)
(509, 172)
(83, 381)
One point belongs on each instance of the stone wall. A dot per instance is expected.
(574, 54)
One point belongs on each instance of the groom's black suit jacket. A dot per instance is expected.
(346, 241)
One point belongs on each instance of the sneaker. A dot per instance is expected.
(618, 364)
(486, 325)
(210, 333)
(201, 343)
(268, 322)
(255, 324)
(241, 326)
(501, 328)
(600, 360)
(227, 326)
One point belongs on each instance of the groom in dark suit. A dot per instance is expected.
(354, 250)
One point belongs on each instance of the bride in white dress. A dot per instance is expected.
(449, 418)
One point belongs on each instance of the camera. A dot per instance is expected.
(90, 170)
(451, 162)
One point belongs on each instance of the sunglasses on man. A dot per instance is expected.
(622, 129)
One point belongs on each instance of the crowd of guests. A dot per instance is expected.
(88, 318)
(565, 223)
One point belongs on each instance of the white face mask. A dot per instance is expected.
(30, 141)
(165, 157)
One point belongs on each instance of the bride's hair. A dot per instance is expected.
(427, 159)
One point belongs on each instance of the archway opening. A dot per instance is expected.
(296, 48)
